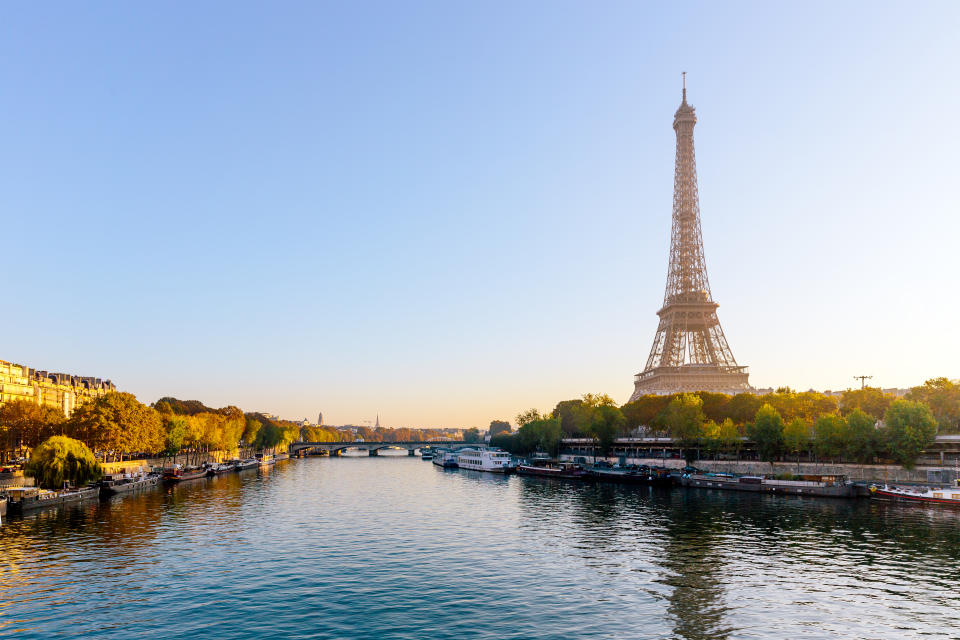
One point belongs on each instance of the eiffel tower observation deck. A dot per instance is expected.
(690, 352)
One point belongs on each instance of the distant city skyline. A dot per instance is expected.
(448, 214)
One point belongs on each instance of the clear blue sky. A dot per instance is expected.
(448, 212)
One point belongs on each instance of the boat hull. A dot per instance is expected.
(32, 504)
(546, 472)
(184, 477)
(828, 491)
(890, 496)
(128, 487)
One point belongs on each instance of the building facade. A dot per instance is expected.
(61, 390)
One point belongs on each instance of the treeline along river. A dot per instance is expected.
(398, 548)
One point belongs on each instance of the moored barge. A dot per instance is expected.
(829, 486)
(175, 474)
(553, 469)
(116, 484)
(24, 499)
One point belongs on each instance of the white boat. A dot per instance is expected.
(492, 460)
(445, 458)
(948, 496)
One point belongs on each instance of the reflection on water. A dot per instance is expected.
(399, 548)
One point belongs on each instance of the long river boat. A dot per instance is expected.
(115, 484)
(923, 495)
(630, 474)
(172, 475)
(835, 486)
(24, 499)
(553, 469)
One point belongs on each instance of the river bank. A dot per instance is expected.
(854, 472)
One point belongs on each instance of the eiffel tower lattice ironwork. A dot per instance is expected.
(690, 352)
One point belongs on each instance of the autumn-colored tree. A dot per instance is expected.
(24, 423)
(116, 423)
(870, 400)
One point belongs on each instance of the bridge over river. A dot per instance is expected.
(337, 448)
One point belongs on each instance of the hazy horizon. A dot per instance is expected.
(446, 214)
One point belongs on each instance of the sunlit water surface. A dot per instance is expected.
(398, 548)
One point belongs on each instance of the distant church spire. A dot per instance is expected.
(377, 426)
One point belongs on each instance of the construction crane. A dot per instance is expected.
(863, 380)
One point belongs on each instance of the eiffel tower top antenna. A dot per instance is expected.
(684, 74)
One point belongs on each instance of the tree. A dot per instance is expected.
(909, 428)
(683, 419)
(796, 437)
(829, 436)
(766, 431)
(60, 460)
(117, 423)
(863, 440)
(869, 400)
(742, 407)
(942, 396)
(471, 435)
(643, 411)
(569, 412)
(176, 430)
(606, 422)
(24, 423)
(499, 426)
(714, 405)
(528, 416)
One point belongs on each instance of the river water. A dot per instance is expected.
(399, 548)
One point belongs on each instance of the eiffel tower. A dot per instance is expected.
(690, 352)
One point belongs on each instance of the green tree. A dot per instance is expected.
(471, 435)
(499, 426)
(568, 411)
(863, 439)
(606, 423)
(942, 396)
(742, 407)
(909, 428)
(643, 412)
(766, 431)
(176, 434)
(683, 419)
(829, 436)
(796, 437)
(60, 460)
(528, 416)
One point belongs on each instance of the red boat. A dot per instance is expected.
(551, 469)
(179, 474)
(948, 496)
